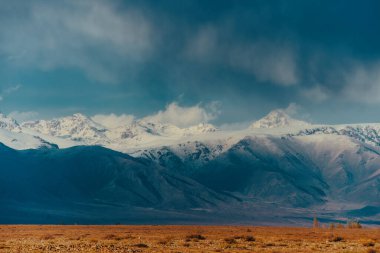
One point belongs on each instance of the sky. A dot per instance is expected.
(224, 62)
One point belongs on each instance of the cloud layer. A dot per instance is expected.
(112, 120)
(266, 60)
(184, 116)
(252, 57)
(93, 36)
(175, 114)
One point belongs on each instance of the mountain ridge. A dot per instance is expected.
(289, 175)
(333, 170)
(79, 129)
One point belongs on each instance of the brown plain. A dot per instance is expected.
(119, 238)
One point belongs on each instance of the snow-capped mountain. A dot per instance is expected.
(76, 127)
(278, 162)
(278, 118)
(143, 127)
(201, 128)
(21, 141)
(367, 133)
(300, 171)
(290, 175)
(9, 124)
(83, 130)
(142, 135)
(293, 171)
(186, 156)
(12, 135)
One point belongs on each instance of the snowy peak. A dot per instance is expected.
(84, 131)
(75, 127)
(278, 118)
(165, 130)
(157, 128)
(143, 130)
(9, 124)
(201, 128)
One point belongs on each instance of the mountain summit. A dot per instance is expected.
(77, 127)
(278, 118)
(9, 124)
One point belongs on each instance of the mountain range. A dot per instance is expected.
(278, 170)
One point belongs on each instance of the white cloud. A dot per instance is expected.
(267, 61)
(93, 35)
(202, 46)
(347, 79)
(235, 125)
(173, 114)
(4, 93)
(296, 111)
(292, 109)
(315, 94)
(23, 116)
(362, 82)
(12, 89)
(113, 120)
(185, 116)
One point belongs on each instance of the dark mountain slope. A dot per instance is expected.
(94, 176)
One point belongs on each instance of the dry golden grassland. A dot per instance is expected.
(186, 239)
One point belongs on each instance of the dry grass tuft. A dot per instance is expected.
(141, 245)
(250, 238)
(230, 240)
(336, 239)
(195, 237)
(369, 244)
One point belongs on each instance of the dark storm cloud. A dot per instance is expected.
(139, 56)
(92, 36)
